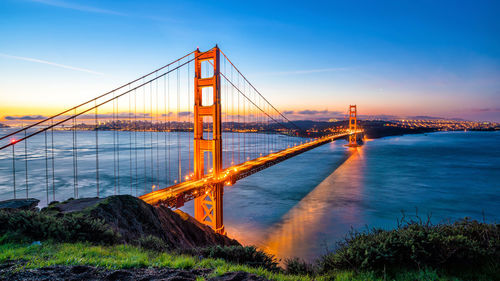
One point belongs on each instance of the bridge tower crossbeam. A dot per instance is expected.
(208, 207)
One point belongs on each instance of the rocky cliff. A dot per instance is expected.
(132, 218)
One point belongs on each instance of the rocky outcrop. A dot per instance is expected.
(20, 204)
(132, 218)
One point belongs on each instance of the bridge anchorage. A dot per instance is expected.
(146, 119)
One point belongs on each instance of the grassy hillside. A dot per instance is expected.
(33, 242)
(125, 256)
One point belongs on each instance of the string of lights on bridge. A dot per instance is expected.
(138, 138)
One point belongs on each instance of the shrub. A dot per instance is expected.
(154, 243)
(248, 255)
(64, 228)
(462, 245)
(298, 266)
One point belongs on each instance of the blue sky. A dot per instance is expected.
(389, 57)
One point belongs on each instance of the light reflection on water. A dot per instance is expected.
(339, 193)
(304, 205)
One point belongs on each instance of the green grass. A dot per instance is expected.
(126, 256)
(119, 257)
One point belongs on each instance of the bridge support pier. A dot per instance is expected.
(208, 207)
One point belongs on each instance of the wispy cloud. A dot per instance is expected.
(308, 71)
(488, 109)
(50, 63)
(185, 113)
(73, 6)
(312, 112)
(90, 9)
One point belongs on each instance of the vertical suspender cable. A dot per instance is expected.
(117, 130)
(136, 182)
(46, 168)
(129, 128)
(53, 170)
(74, 159)
(151, 133)
(114, 145)
(233, 122)
(165, 127)
(144, 137)
(26, 161)
(179, 176)
(157, 140)
(226, 116)
(239, 124)
(169, 125)
(189, 118)
(244, 125)
(96, 150)
(14, 169)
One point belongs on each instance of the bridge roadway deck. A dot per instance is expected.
(176, 195)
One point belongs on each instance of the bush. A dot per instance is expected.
(70, 227)
(463, 245)
(297, 266)
(154, 243)
(248, 255)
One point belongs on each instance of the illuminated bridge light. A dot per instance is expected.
(212, 183)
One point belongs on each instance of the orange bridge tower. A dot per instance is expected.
(208, 207)
(353, 126)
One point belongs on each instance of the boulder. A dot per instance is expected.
(20, 204)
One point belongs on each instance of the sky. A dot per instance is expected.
(397, 58)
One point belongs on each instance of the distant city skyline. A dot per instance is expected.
(400, 59)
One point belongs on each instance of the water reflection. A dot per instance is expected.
(304, 205)
(334, 202)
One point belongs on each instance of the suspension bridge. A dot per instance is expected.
(181, 132)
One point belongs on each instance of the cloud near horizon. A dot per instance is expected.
(311, 114)
(497, 109)
(25, 117)
(185, 113)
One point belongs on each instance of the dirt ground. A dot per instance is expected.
(10, 271)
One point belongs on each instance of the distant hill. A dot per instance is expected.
(3, 126)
